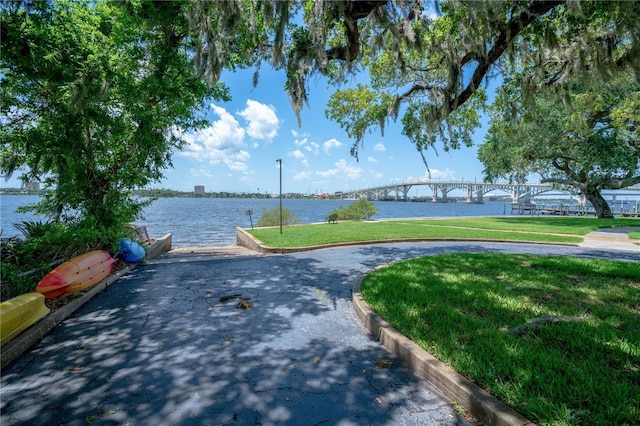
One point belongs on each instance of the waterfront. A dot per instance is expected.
(211, 222)
(202, 222)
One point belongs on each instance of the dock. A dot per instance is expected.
(565, 210)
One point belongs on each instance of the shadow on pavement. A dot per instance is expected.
(160, 347)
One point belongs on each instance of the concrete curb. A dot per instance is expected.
(36, 332)
(470, 396)
(245, 239)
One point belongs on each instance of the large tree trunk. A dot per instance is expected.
(599, 203)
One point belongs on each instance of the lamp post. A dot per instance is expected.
(279, 161)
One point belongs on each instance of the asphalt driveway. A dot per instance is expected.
(168, 344)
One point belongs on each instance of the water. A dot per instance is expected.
(202, 222)
(8, 215)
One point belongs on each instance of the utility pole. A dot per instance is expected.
(279, 160)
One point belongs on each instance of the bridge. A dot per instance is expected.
(475, 191)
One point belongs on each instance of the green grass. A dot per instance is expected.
(478, 313)
(534, 229)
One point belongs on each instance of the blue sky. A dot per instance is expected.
(238, 151)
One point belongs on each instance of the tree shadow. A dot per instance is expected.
(583, 404)
(160, 347)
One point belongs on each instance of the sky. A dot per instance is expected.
(237, 152)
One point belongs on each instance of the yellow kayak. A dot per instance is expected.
(17, 314)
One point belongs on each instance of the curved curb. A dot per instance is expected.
(32, 335)
(245, 239)
(470, 396)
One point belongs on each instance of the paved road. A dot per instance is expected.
(159, 347)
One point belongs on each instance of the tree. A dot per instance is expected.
(271, 217)
(590, 143)
(358, 210)
(94, 96)
(430, 69)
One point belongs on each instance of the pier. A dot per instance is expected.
(567, 210)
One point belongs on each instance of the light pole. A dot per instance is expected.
(279, 160)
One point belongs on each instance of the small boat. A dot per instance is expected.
(76, 274)
(131, 252)
(19, 313)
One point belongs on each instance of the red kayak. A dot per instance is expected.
(77, 274)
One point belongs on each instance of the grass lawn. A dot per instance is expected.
(522, 228)
(556, 338)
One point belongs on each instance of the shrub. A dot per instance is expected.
(359, 210)
(272, 217)
(45, 245)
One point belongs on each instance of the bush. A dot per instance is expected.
(45, 245)
(360, 210)
(272, 217)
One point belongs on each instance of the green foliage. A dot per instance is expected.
(559, 334)
(26, 261)
(94, 97)
(588, 143)
(432, 72)
(359, 210)
(34, 229)
(271, 217)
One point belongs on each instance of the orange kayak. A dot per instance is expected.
(77, 274)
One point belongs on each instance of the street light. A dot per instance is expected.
(279, 160)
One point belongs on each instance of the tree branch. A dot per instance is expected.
(507, 35)
(415, 88)
(354, 11)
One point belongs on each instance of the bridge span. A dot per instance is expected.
(475, 191)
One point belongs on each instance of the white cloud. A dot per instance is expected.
(303, 142)
(297, 135)
(263, 121)
(328, 173)
(331, 143)
(445, 174)
(349, 171)
(302, 175)
(238, 162)
(379, 147)
(342, 170)
(298, 155)
(372, 159)
(201, 173)
(221, 142)
(436, 174)
(314, 147)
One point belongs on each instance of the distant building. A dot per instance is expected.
(198, 189)
(32, 186)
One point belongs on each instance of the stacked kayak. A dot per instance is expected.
(131, 252)
(19, 313)
(76, 274)
(79, 273)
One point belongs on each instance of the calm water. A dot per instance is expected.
(202, 222)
